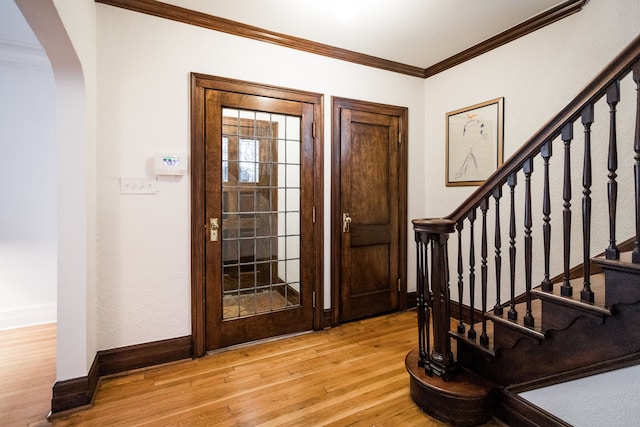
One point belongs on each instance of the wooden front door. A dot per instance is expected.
(258, 252)
(369, 209)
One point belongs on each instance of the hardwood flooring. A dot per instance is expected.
(351, 375)
(27, 374)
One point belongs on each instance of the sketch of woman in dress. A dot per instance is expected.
(473, 136)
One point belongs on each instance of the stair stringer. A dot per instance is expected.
(584, 342)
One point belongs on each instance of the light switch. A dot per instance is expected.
(137, 186)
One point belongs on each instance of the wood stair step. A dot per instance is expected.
(518, 325)
(624, 263)
(463, 337)
(574, 301)
(622, 278)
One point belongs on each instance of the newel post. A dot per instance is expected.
(433, 234)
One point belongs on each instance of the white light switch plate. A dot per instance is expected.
(137, 186)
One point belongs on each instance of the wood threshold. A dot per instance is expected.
(200, 19)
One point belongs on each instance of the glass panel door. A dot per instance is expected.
(261, 208)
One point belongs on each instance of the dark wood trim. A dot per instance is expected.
(516, 411)
(530, 25)
(124, 359)
(200, 82)
(466, 312)
(318, 202)
(578, 373)
(412, 300)
(78, 393)
(75, 393)
(577, 271)
(402, 113)
(327, 318)
(200, 19)
(198, 220)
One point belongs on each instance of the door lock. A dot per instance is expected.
(213, 229)
(346, 223)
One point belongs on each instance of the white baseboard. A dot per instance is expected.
(29, 315)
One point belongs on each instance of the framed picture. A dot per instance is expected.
(474, 143)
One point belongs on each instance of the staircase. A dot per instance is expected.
(539, 329)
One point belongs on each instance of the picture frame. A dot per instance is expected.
(474, 143)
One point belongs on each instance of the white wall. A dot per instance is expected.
(66, 30)
(28, 231)
(537, 75)
(144, 65)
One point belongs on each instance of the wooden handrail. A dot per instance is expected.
(620, 65)
(432, 234)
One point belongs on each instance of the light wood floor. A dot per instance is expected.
(27, 374)
(352, 375)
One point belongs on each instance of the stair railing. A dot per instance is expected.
(432, 235)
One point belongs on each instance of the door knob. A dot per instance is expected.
(346, 223)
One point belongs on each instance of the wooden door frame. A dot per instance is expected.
(338, 104)
(200, 83)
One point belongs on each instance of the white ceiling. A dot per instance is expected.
(420, 33)
(413, 32)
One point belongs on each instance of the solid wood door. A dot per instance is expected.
(371, 207)
(259, 199)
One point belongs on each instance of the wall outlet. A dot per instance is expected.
(137, 186)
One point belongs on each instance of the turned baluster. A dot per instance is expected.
(472, 276)
(484, 206)
(587, 119)
(546, 152)
(497, 194)
(567, 136)
(613, 97)
(527, 168)
(635, 256)
(513, 314)
(459, 227)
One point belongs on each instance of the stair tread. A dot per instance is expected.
(625, 261)
(597, 285)
(475, 342)
(535, 332)
(518, 324)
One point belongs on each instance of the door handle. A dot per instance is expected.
(346, 223)
(213, 229)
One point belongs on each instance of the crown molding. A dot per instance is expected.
(200, 19)
(530, 25)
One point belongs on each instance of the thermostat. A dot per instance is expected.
(170, 164)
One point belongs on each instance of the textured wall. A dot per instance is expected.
(143, 108)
